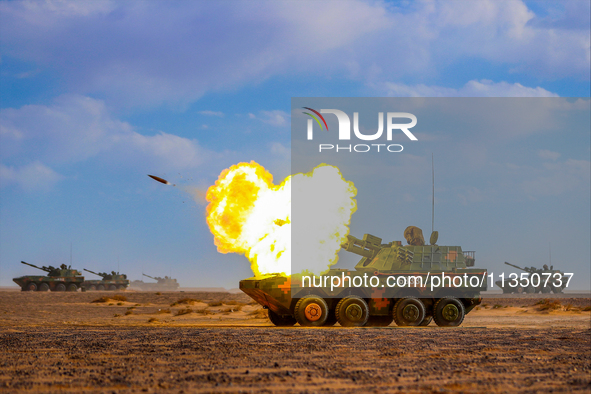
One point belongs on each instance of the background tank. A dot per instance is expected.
(289, 302)
(166, 284)
(535, 274)
(112, 281)
(63, 278)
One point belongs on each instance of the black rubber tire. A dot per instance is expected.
(379, 321)
(281, 321)
(31, 286)
(100, 287)
(112, 288)
(352, 311)
(409, 311)
(122, 287)
(427, 320)
(546, 289)
(43, 287)
(556, 290)
(320, 309)
(444, 315)
(60, 287)
(72, 287)
(92, 288)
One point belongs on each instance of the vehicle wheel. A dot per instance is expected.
(449, 312)
(556, 290)
(409, 311)
(43, 287)
(530, 289)
(123, 287)
(379, 321)
(60, 287)
(331, 319)
(72, 287)
(352, 311)
(426, 321)
(112, 287)
(546, 289)
(281, 321)
(92, 288)
(31, 287)
(311, 310)
(100, 287)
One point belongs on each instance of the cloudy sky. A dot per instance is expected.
(95, 95)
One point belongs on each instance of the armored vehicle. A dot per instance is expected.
(166, 284)
(544, 280)
(63, 278)
(112, 281)
(416, 302)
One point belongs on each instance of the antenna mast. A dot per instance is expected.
(432, 194)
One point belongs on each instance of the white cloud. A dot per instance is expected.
(548, 155)
(275, 118)
(482, 88)
(149, 53)
(76, 128)
(212, 113)
(279, 150)
(31, 177)
(558, 178)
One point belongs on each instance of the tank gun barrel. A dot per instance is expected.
(365, 248)
(149, 276)
(519, 268)
(92, 272)
(46, 269)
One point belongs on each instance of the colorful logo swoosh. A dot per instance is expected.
(315, 118)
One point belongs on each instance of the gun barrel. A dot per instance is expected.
(360, 247)
(519, 268)
(149, 276)
(92, 272)
(34, 266)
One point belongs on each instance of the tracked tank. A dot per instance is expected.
(296, 298)
(63, 278)
(538, 280)
(113, 281)
(162, 284)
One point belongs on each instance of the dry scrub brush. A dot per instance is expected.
(187, 301)
(184, 311)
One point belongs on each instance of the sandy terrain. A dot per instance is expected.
(64, 342)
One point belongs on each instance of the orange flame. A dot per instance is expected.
(248, 214)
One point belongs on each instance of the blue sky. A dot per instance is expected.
(95, 95)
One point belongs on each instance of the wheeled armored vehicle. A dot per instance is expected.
(63, 278)
(113, 281)
(535, 281)
(296, 298)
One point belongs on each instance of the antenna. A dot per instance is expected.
(70, 253)
(550, 251)
(118, 264)
(432, 194)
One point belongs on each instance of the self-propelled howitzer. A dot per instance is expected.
(411, 285)
(165, 284)
(539, 280)
(63, 278)
(113, 281)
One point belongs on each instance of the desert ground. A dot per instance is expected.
(193, 342)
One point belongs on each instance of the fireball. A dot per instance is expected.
(303, 220)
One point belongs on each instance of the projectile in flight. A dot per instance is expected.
(157, 178)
